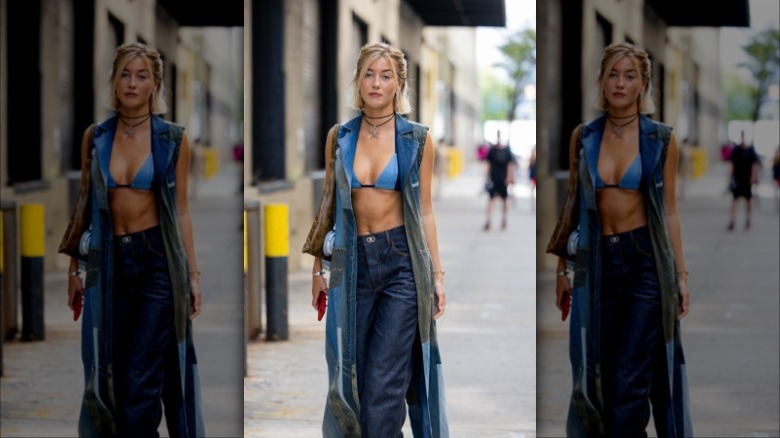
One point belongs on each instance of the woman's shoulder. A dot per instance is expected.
(167, 128)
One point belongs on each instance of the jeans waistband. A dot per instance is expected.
(386, 235)
(154, 232)
(640, 232)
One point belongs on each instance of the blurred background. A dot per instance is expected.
(716, 72)
(55, 61)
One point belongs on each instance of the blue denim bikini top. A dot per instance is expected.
(143, 178)
(389, 179)
(631, 179)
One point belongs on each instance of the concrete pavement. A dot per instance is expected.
(486, 336)
(731, 336)
(43, 383)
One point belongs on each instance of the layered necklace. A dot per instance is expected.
(618, 131)
(129, 127)
(374, 127)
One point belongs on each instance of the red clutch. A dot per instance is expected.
(322, 304)
(565, 305)
(77, 303)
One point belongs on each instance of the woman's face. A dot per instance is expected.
(135, 85)
(623, 85)
(379, 85)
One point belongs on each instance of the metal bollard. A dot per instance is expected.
(33, 251)
(277, 250)
(10, 285)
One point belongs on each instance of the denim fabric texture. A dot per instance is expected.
(588, 412)
(143, 323)
(633, 357)
(386, 329)
(99, 346)
(425, 395)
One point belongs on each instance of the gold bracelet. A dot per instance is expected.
(683, 272)
(438, 272)
(194, 272)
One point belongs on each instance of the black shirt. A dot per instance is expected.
(499, 159)
(743, 160)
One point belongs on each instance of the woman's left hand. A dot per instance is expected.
(684, 299)
(195, 300)
(439, 300)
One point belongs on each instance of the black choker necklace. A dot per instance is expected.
(622, 117)
(374, 127)
(129, 127)
(132, 118)
(619, 128)
(375, 118)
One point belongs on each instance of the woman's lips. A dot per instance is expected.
(374, 94)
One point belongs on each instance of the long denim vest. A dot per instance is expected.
(97, 347)
(425, 397)
(585, 410)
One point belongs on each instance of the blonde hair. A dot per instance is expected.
(616, 52)
(128, 52)
(370, 53)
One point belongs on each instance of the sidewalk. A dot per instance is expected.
(730, 336)
(486, 337)
(43, 383)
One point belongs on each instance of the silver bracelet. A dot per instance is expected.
(74, 273)
(321, 272)
(560, 274)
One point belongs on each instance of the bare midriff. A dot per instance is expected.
(377, 210)
(132, 210)
(621, 210)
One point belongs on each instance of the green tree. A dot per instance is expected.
(520, 64)
(494, 96)
(764, 53)
(739, 95)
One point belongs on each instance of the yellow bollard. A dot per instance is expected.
(277, 250)
(32, 251)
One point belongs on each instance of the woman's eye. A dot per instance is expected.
(386, 77)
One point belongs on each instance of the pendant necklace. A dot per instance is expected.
(129, 128)
(618, 131)
(373, 126)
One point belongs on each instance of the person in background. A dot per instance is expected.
(500, 173)
(744, 174)
(776, 177)
(532, 177)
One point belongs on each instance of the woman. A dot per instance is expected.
(386, 281)
(630, 282)
(142, 279)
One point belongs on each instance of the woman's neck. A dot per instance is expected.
(380, 112)
(129, 113)
(622, 113)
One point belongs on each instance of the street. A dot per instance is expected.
(487, 335)
(43, 381)
(731, 335)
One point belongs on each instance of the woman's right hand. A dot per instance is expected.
(75, 290)
(318, 284)
(562, 289)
